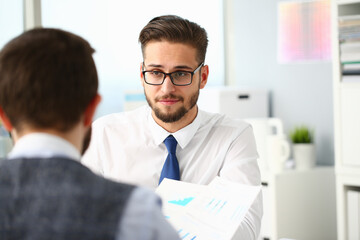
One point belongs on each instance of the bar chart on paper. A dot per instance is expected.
(186, 235)
(181, 202)
(211, 212)
(218, 206)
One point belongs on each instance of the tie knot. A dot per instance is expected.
(170, 143)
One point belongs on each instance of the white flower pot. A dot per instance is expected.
(304, 155)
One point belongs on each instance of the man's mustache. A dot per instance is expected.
(169, 96)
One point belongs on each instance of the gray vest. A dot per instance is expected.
(58, 198)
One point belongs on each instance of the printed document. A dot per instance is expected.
(208, 212)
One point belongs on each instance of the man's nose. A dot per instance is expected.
(167, 85)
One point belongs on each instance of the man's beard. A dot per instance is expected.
(86, 141)
(176, 116)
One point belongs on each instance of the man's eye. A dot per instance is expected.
(180, 74)
(156, 73)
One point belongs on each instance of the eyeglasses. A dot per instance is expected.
(178, 78)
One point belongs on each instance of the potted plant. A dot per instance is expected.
(303, 147)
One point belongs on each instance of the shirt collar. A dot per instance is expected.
(182, 136)
(43, 145)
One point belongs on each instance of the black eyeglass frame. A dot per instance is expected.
(169, 74)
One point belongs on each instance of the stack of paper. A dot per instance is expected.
(212, 212)
(349, 37)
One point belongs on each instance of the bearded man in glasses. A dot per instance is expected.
(172, 138)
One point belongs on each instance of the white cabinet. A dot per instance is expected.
(350, 124)
(353, 214)
(346, 117)
(299, 204)
(345, 183)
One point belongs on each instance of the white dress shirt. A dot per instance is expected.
(142, 218)
(43, 145)
(129, 147)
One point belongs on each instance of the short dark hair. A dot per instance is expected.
(175, 29)
(47, 79)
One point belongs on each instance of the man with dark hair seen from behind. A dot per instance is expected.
(172, 138)
(48, 96)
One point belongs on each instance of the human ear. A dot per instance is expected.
(204, 76)
(141, 74)
(90, 110)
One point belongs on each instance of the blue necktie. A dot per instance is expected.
(171, 166)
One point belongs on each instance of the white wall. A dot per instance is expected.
(300, 93)
(11, 20)
(112, 27)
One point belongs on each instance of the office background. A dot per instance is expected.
(242, 52)
(301, 93)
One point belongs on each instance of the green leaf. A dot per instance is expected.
(302, 134)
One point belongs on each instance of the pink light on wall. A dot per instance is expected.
(304, 31)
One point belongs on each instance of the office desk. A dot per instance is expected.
(299, 204)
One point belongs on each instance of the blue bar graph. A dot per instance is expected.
(212, 200)
(181, 202)
(222, 206)
(186, 236)
(183, 237)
